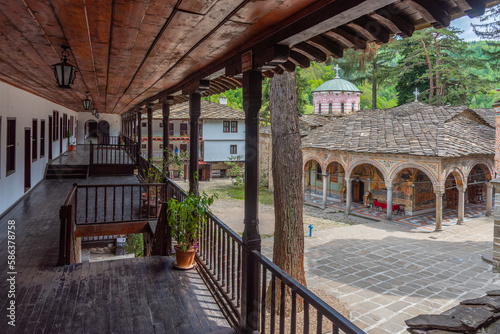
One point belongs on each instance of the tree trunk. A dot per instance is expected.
(374, 84)
(431, 74)
(288, 252)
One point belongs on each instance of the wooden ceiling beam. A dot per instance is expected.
(328, 45)
(228, 83)
(310, 51)
(374, 28)
(431, 12)
(478, 7)
(300, 59)
(391, 14)
(361, 32)
(355, 40)
(289, 66)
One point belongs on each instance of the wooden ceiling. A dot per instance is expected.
(133, 52)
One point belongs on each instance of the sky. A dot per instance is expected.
(464, 23)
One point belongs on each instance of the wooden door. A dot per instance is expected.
(452, 198)
(27, 159)
(50, 137)
(355, 191)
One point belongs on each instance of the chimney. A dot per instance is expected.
(223, 100)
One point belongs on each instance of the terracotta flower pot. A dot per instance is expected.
(184, 260)
(71, 147)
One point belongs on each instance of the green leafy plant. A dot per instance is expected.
(186, 218)
(236, 169)
(135, 244)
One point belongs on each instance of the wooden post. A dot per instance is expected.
(166, 102)
(252, 99)
(194, 113)
(150, 132)
(139, 135)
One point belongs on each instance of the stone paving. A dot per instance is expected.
(387, 273)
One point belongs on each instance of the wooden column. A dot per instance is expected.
(348, 195)
(389, 200)
(150, 131)
(166, 102)
(252, 99)
(439, 210)
(139, 134)
(489, 198)
(194, 113)
(461, 204)
(325, 190)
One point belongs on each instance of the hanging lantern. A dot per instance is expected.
(87, 103)
(65, 72)
(93, 111)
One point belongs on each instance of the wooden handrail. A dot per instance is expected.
(323, 309)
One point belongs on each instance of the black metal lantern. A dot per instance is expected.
(65, 72)
(87, 103)
(93, 111)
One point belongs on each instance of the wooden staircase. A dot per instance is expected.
(67, 172)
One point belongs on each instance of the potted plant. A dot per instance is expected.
(185, 219)
(71, 142)
(151, 199)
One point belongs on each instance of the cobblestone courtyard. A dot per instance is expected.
(385, 273)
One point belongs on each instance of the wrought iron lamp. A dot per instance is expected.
(87, 103)
(93, 111)
(65, 72)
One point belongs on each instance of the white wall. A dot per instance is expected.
(219, 150)
(115, 124)
(158, 131)
(24, 106)
(213, 130)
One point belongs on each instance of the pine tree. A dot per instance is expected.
(490, 31)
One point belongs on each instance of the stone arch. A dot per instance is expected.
(359, 162)
(421, 167)
(490, 169)
(314, 157)
(335, 159)
(457, 173)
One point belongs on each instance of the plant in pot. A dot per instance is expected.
(151, 199)
(71, 142)
(186, 219)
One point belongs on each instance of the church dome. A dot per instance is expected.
(337, 84)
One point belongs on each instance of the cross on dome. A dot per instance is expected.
(416, 93)
(337, 71)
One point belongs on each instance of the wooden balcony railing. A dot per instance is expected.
(113, 209)
(117, 159)
(119, 209)
(219, 259)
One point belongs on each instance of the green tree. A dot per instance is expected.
(490, 31)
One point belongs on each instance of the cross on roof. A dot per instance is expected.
(337, 71)
(416, 93)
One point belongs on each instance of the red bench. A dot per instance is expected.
(382, 206)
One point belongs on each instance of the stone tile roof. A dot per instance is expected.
(414, 128)
(480, 315)
(487, 114)
(315, 120)
(209, 110)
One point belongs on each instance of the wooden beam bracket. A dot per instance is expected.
(196, 87)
